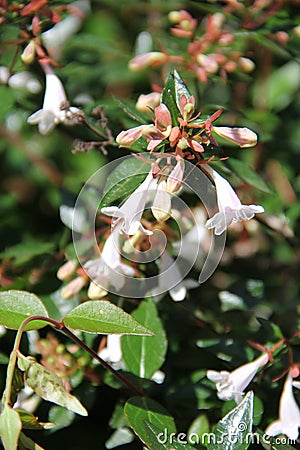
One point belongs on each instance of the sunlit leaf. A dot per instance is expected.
(48, 385)
(144, 355)
(101, 316)
(31, 422)
(10, 427)
(173, 90)
(233, 430)
(16, 306)
(122, 181)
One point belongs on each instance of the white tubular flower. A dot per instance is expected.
(55, 38)
(170, 279)
(161, 207)
(192, 245)
(108, 269)
(112, 352)
(289, 413)
(230, 207)
(130, 213)
(231, 385)
(174, 180)
(51, 113)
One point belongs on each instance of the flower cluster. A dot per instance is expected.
(208, 54)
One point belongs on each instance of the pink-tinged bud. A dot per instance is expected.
(66, 270)
(179, 32)
(95, 292)
(174, 180)
(208, 62)
(73, 287)
(151, 59)
(161, 207)
(128, 137)
(144, 102)
(218, 20)
(240, 136)
(282, 37)
(28, 54)
(246, 64)
(230, 66)
(226, 39)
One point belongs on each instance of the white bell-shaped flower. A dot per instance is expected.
(230, 207)
(53, 112)
(289, 413)
(231, 385)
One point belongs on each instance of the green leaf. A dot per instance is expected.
(101, 316)
(48, 385)
(62, 417)
(159, 439)
(173, 90)
(199, 426)
(16, 306)
(141, 409)
(233, 431)
(248, 175)
(10, 427)
(7, 100)
(258, 410)
(26, 443)
(30, 422)
(144, 355)
(25, 251)
(268, 442)
(3, 358)
(126, 177)
(131, 111)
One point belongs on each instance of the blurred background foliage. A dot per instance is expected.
(253, 295)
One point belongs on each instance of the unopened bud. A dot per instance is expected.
(174, 180)
(240, 136)
(73, 287)
(151, 59)
(128, 137)
(4, 74)
(161, 208)
(246, 64)
(28, 54)
(174, 16)
(66, 270)
(146, 101)
(208, 62)
(95, 291)
(296, 30)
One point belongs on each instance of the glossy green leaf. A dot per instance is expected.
(258, 410)
(31, 422)
(122, 181)
(141, 409)
(171, 94)
(101, 316)
(26, 443)
(233, 431)
(10, 427)
(48, 385)
(199, 426)
(159, 439)
(144, 355)
(16, 306)
(244, 171)
(121, 436)
(7, 100)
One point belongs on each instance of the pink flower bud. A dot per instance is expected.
(240, 136)
(208, 62)
(95, 291)
(151, 59)
(147, 101)
(174, 180)
(66, 270)
(73, 287)
(128, 137)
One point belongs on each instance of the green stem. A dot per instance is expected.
(6, 400)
